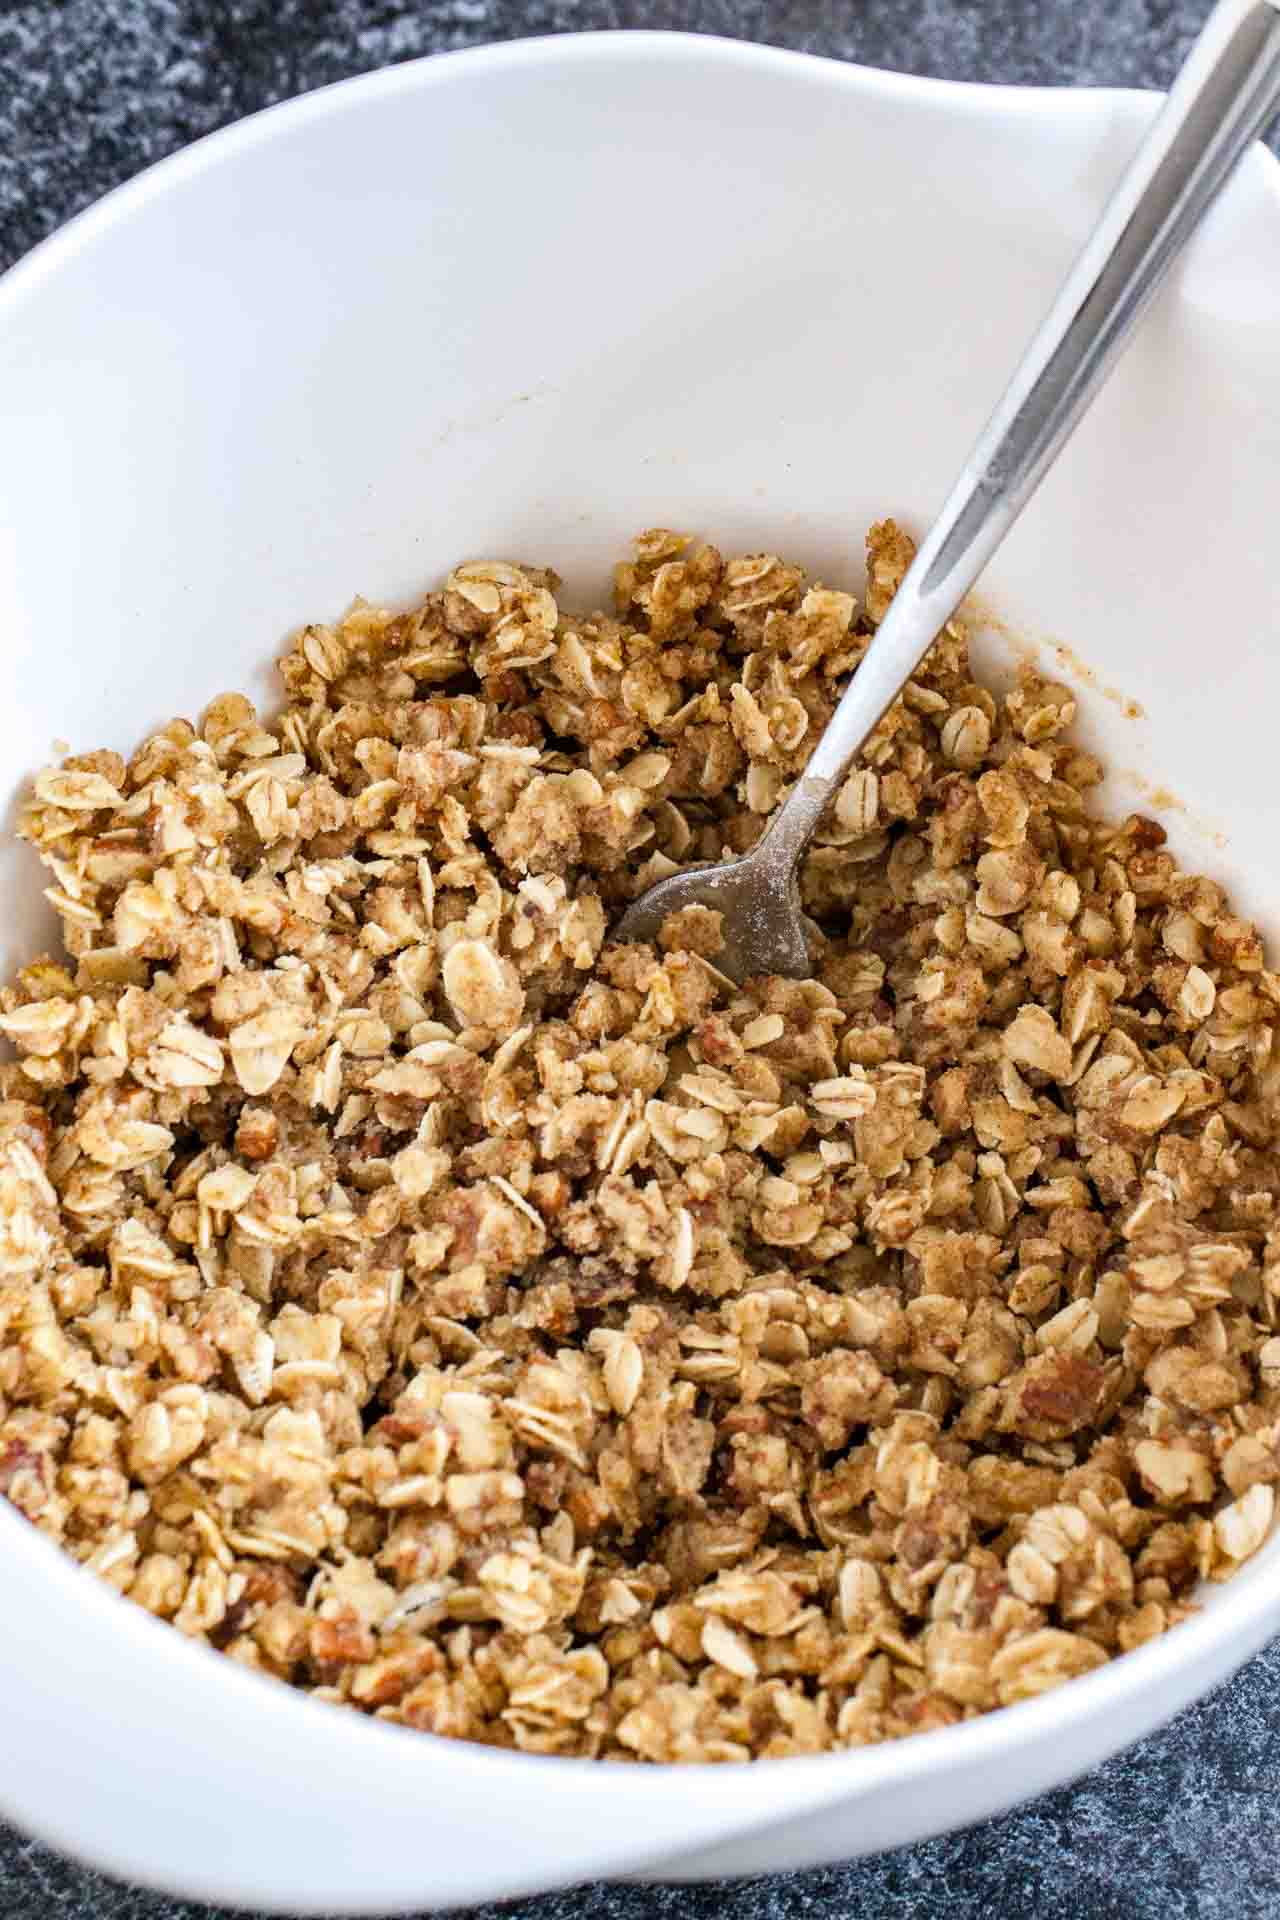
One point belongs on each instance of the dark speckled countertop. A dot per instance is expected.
(1184, 1826)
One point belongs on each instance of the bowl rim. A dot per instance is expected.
(978, 98)
(1241, 1609)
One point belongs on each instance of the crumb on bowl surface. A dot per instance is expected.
(549, 1343)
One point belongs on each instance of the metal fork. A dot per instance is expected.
(1225, 95)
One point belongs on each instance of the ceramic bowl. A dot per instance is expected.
(526, 301)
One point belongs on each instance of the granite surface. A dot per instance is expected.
(1183, 1827)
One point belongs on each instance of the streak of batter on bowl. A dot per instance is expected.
(988, 622)
(551, 1343)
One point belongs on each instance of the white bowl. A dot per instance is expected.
(525, 302)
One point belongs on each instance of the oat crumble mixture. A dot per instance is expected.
(548, 1343)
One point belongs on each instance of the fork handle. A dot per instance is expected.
(1224, 96)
